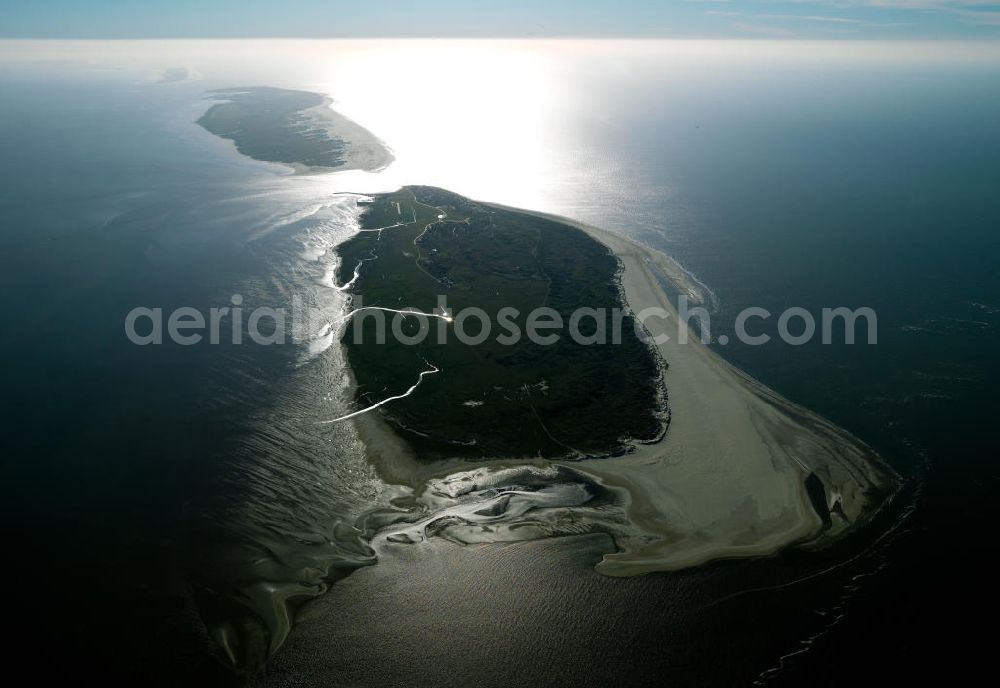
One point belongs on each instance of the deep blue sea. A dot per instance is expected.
(163, 498)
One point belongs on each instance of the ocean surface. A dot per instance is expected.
(165, 500)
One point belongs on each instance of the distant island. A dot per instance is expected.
(295, 128)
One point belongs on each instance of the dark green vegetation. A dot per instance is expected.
(271, 124)
(494, 400)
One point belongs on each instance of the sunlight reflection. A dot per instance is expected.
(459, 115)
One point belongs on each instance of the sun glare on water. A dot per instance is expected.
(473, 118)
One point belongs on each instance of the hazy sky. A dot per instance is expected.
(456, 18)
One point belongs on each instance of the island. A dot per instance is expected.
(727, 468)
(295, 128)
(497, 394)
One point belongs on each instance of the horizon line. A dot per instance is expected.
(501, 37)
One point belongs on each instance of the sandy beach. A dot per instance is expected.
(728, 479)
